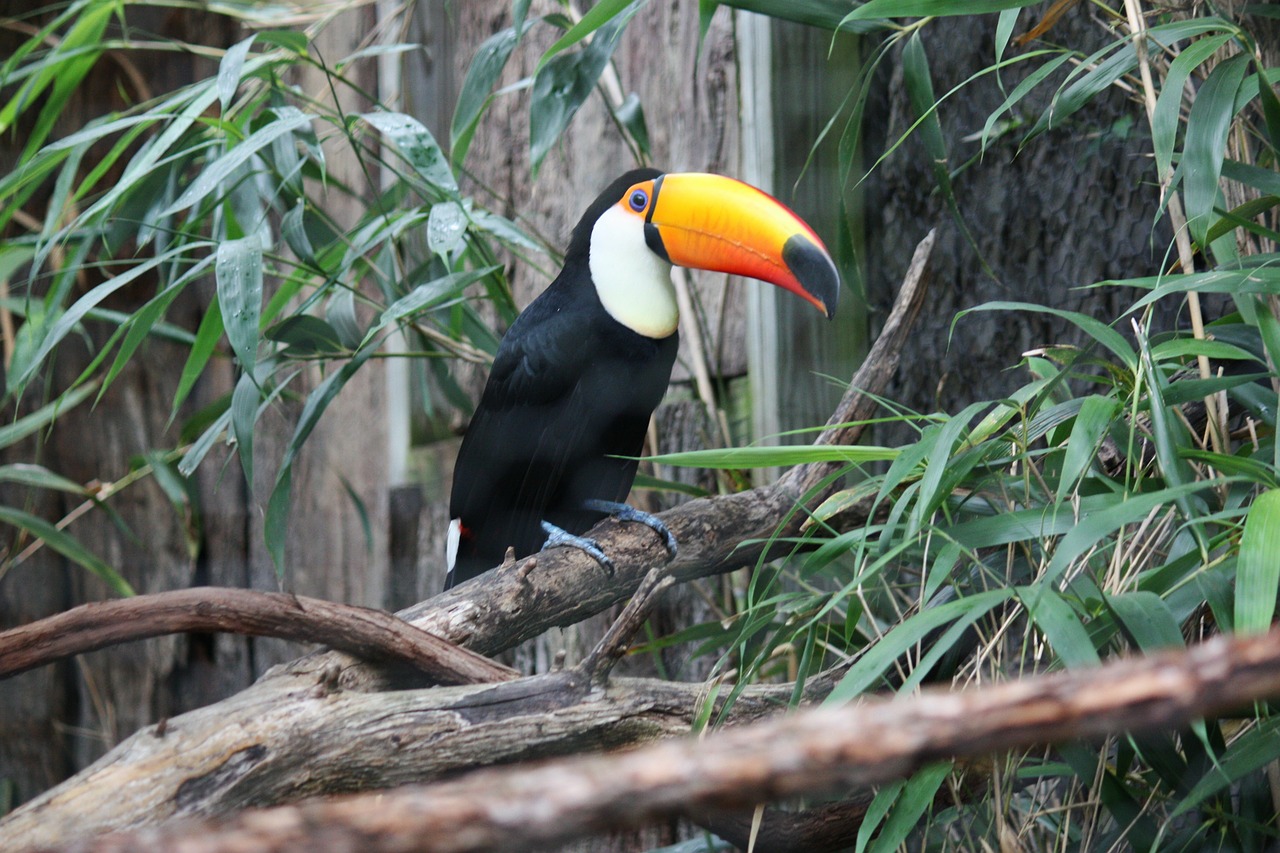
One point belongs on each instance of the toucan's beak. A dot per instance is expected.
(710, 222)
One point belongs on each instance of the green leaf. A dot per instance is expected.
(482, 75)
(769, 457)
(427, 296)
(418, 147)
(1258, 565)
(24, 426)
(1060, 624)
(279, 504)
(73, 315)
(238, 273)
(1099, 331)
(931, 8)
(1206, 145)
(207, 337)
(878, 658)
(229, 71)
(562, 84)
(306, 335)
(67, 546)
(244, 414)
(602, 13)
(216, 174)
(1147, 618)
(1164, 119)
(1248, 753)
(916, 798)
(39, 477)
(1092, 423)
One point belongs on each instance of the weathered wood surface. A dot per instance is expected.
(296, 731)
(811, 752)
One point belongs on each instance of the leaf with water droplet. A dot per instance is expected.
(416, 144)
(445, 226)
(238, 275)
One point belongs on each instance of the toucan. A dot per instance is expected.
(552, 447)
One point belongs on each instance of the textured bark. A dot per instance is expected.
(368, 634)
(315, 726)
(810, 752)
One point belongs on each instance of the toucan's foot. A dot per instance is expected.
(557, 536)
(626, 512)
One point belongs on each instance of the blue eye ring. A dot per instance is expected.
(638, 200)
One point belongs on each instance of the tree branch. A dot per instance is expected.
(367, 634)
(808, 753)
(300, 731)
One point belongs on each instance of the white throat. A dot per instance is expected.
(633, 283)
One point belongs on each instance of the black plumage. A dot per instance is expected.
(571, 389)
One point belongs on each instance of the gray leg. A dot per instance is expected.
(557, 536)
(626, 512)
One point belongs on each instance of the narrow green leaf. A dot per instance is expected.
(39, 477)
(563, 83)
(602, 13)
(482, 75)
(1165, 118)
(207, 337)
(238, 274)
(24, 426)
(67, 546)
(244, 415)
(229, 71)
(204, 443)
(418, 147)
(427, 296)
(1092, 423)
(1061, 625)
(769, 457)
(1206, 145)
(306, 335)
(73, 315)
(1247, 754)
(878, 658)
(1099, 331)
(216, 174)
(1148, 619)
(916, 798)
(931, 8)
(279, 504)
(1258, 565)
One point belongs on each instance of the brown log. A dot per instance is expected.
(367, 634)
(315, 726)
(810, 752)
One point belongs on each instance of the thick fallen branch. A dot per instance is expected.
(810, 752)
(367, 634)
(303, 729)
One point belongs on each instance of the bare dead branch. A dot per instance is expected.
(810, 752)
(367, 634)
(613, 645)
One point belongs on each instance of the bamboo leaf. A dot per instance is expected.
(1092, 422)
(931, 8)
(238, 274)
(1258, 565)
(67, 546)
(598, 16)
(769, 457)
(482, 75)
(1164, 120)
(207, 336)
(418, 147)
(229, 70)
(1206, 145)
(24, 426)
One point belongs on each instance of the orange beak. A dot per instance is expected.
(710, 222)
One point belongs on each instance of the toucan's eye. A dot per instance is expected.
(639, 200)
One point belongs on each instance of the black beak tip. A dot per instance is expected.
(813, 268)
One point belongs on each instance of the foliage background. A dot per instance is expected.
(1109, 492)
